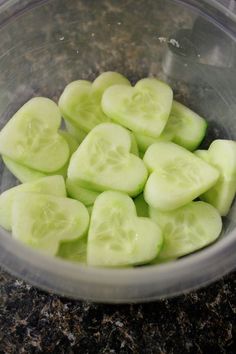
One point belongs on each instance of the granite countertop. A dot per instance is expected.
(32, 321)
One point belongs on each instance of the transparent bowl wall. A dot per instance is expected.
(190, 44)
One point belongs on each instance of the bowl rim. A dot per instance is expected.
(27, 263)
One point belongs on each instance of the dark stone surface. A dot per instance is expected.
(32, 321)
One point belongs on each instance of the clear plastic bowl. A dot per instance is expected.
(190, 44)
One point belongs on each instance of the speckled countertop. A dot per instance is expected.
(32, 321)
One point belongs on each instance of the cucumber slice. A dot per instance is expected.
(75, 251)
(159, 260)
(43, 221)
(177, 176)
(71, 141)
(81, 107)
(26, 174)
(73, 145)
(144, 141)
(187, 229)
(31, 138)
(203, 154)
(222, 155)
(134, 146)
(141, 206)
(85, 196)
(144, 108)
(77, 133)
(107, 79)
(90, 209)
(187, 126)
(184, 127)
(103, 162)
(54, 185)
(117, 236)
(22, 173)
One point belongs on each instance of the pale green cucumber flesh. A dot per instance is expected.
(187, 229)
(103, 162)
(71, 141)
(203, 154)
(117, 236)
(177, 176)
(26, 174)
(31, 138)
(81, 107)
(134, 146)
(107, 79)
(143, 109)
(77, 133)
(43, 221)
(221, 195)
(144, 141)
(22, 173)
(141, 206)
(159, 260)
(188, 127)
(53, 185)
(90, 209)
(74, 251)
(222, 155)
(75, 191)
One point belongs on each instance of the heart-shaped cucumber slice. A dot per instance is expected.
(84, 195)
(187, 229)
(22, 173)
(222, 155)
(187, 127)
(184, 127)
(107, 79)
(81, 107)
(203, 154)
(144, 108)
(76, 132)
(27, 174)
(103, 161)
(80, 102)
(117, 236)
(54, 185)
(44, 221)
(31, 136)
(177, 176)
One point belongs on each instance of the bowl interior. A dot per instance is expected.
(45, 46)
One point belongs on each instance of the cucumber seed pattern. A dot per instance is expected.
(37, 137)
(142, 103)
(103, 156)
(175, 122)
(185, 234)
(181, 172)
(115, 233)
(89, 111)
(49, 221)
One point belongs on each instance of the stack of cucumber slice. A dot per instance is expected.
(124, 185)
